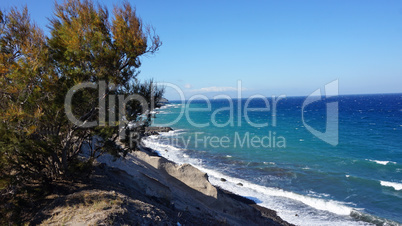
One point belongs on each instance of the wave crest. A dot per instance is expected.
(395, 185)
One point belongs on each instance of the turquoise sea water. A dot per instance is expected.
(282, 165)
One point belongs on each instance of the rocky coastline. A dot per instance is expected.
(147, 189)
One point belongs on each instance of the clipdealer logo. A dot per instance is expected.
(331, 134)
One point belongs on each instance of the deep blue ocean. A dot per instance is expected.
(271, 157)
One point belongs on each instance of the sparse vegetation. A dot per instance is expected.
(87, 207)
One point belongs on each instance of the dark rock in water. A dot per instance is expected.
(156, 130)
(223, 179)
(149, 151)
(162, 102)
(240, 184)
(239, 198)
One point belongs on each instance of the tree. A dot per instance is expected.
(25, 75)
(37, 139)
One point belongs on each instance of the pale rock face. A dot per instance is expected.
(192, 177)
(185, 173)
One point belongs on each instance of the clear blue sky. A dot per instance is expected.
(273, 47)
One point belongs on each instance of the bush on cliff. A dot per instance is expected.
(38, 141)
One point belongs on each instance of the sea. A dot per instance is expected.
(331, 161)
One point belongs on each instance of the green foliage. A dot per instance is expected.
(37, 141)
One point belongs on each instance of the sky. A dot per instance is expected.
(269, 47)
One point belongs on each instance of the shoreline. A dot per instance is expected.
(265, 212)
(187, 174)
(145, 188)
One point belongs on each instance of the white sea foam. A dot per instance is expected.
(159, 111)
(292, 207)
(170, 106)
(395, 185)
(381, 162)
(173, 133)
(167, 106)
(318, 195)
